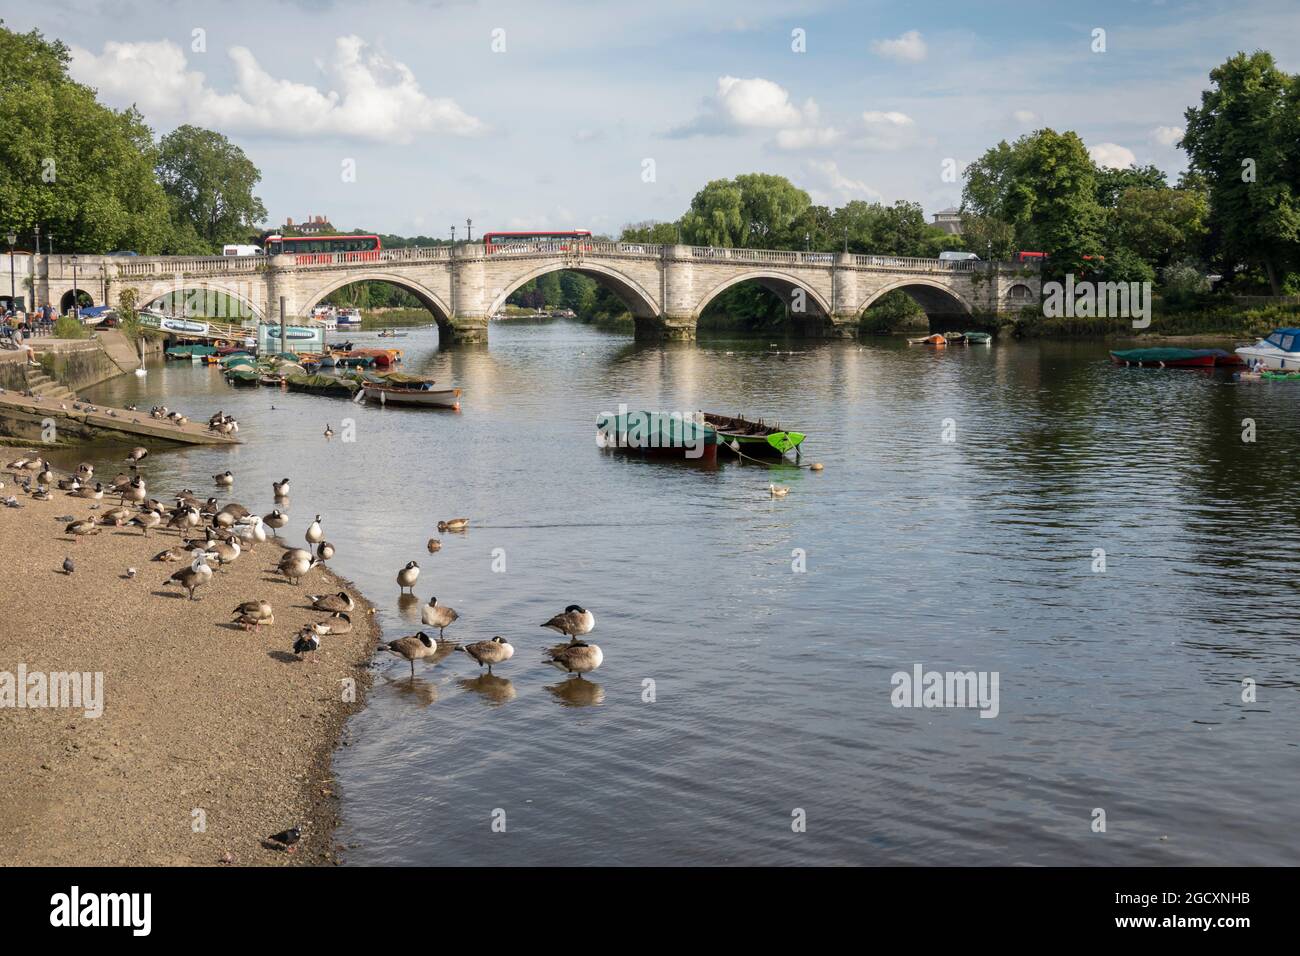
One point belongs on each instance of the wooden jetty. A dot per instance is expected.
(28, 418)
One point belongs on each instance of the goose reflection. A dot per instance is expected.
(577, 692)
(494, 689)
(416, 690)
(408, 606)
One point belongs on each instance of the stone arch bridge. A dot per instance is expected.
(665, 287)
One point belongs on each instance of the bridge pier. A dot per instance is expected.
(664, 328)
(463, 330)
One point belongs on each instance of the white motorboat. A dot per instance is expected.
(348, 318)
(430, 397)
(1280, 351)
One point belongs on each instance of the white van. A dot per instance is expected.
(953, 256)
(235, 250)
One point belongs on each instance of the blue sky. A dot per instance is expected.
(555, 114)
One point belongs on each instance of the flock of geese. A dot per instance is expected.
(214, 536)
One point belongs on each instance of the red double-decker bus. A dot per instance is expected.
(310, 249)
(496, 241)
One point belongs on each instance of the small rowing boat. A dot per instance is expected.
(1174, 358)
(659, 435)
(755, 439)
(429, 397)
(936, 340)
(978, 338)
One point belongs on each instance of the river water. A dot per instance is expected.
(744, 711)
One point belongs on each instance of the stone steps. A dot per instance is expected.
(46, 387)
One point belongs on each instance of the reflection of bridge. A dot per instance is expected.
(665, 287)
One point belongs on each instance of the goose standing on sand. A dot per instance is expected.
(315, 534)
(331, 602)
(406, 577)
(251, 533)
(413, 648)
(438, 615)
(225, 479)
(296, 562)
(495, 651)
(183, 519)
(281, 488)
(193, 577)
(275, 520)
(453, 524)
(573, 623)
(324, 550)
(575, 658)
(225, 552)
(146, 520)
(45, 476)
(134, 491)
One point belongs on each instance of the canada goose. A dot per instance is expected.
(69, 484)
(573, 623)
(86, 470)
(193, 577)
(253, 614)
(226, 551)
(296, 562)
(324, 550)
(438, 615)
(413, 648)
(576, 658)
(434, 545)
(45, 476)
(146, 520)
(94, 494)
(281, 488)
(340, 622)
(115, 516)
(329, 432)
(331, 602)
(225, 479)
(495, 651)
(407, 576)
(778, 491)
(223, 520)
(133, 491)
(121, 481)
(78, 528)
(453, 524)
(184, 519)
(136, 456)
(275, 520)
(307, 642)
(314, 532)
(177, 552)
(235, 510)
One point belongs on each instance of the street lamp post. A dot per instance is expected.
(807, 242)
(453, 235)
(76, 297)
(469, 237)
(13, 292)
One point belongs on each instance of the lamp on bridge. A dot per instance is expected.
(453, 235)
(76, 294)
(13, 292)
(469, 237)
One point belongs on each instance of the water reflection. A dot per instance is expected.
(493, 688)
(577, 691)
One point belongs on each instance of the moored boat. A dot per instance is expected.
(347, 319)
(1279, 352)
(658, 435)
(321, 385)
(1165, 358)
(936, 340)
(978, 338)
(434, 396)
(755, 439)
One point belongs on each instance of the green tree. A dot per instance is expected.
(80, 170)
(1244, 139)
(1112, 182)
(1159, 225)
(210, 183)
(1045, 186)
(754, 210)
(661, 233)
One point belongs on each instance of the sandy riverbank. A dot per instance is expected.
(197, 714)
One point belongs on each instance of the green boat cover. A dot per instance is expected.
(180, 351)
(237, 359)
(243, 374)
(1157, 355)
(656, 430)
(321, 383)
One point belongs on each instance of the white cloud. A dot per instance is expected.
(374, 96)
(832, 187)
(909, 48)
(1112, 155)
(1025, 117)
(887, 130)
(808, 137)
(1167, 135)
(742, 105)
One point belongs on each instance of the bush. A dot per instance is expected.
(68, 327)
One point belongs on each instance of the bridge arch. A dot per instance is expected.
(428, 298)
(778, 283)
(639, 302)
(148, 294)
(934, 297)
(70, 298)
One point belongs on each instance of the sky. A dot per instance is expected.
(410, 116)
